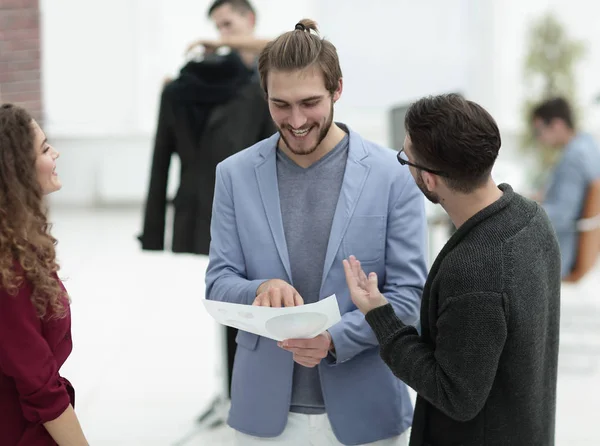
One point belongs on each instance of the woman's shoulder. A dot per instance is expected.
(19, 298)
(16, 302)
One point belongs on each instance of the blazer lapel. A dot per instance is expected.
(266, 175)
(355, 176)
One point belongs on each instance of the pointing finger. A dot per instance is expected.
(298, 299)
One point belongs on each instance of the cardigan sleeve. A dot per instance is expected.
(26, 357)
(456, 374)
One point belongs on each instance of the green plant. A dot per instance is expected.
(549, 71)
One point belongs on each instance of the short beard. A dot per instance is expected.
(322, 134)
(431, 196)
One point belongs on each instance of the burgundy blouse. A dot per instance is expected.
(32, 350)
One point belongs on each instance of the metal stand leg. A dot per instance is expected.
(216, 414)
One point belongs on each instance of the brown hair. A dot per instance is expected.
(242, 6)
(554, 108)
(299, 49)
(27, 250)
(455, 136)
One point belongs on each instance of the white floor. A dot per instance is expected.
(146, 356)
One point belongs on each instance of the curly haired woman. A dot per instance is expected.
(36, 403)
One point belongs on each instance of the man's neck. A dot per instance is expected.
(333, 138)
(461, 207)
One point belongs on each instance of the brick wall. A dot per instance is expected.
(20, 56)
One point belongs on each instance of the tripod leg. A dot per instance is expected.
(216, 413)
(231, 347)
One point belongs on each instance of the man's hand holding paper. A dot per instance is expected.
(278, 293)
(309, 352)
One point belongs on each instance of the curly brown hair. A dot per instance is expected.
(27, 250)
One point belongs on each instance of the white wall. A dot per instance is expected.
(507, 46)
(103, 66)
(389, 55)
(104, 61)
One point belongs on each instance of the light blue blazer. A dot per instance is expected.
(380, 219)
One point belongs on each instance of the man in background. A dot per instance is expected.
(577, 168)
(236, 23)
(214, 108)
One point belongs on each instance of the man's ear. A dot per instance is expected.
(430, 180)
(338, 92)
(252, 18)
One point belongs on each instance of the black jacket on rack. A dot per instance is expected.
(214, 109)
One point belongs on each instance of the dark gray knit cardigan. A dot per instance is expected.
(485, 364)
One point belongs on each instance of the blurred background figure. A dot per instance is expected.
(236, 23)
(572, 184)
(214, 109)
(98, 96)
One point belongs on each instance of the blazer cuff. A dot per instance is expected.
(251, 290)
(341, 354)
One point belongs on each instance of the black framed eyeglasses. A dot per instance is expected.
(403, 159)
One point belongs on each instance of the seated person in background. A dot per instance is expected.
(577, 168)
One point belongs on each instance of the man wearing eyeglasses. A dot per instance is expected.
(485, 364)
(403, 159)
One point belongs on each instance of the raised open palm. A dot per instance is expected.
(363, 290)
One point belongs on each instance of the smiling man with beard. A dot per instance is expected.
(286, 212)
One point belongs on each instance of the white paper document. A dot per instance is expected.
(302, 322)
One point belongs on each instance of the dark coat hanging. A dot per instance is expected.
(214, 109)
